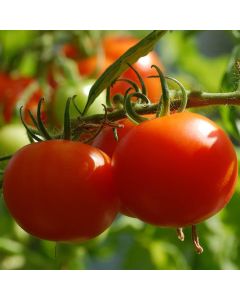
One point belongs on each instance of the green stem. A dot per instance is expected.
(195, 99)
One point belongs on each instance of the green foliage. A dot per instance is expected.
(129, 243)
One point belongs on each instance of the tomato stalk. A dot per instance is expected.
(195, 240)
(180, 234)
(195, 100)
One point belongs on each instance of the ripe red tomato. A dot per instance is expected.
(143, 66)
(12, 94)
(175, 171)
(114, 47)
(61, 190)
(88, 66)
(106, 142)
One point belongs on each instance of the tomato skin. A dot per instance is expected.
(106, 142)
(143, 66)
(175, 171)
(61, 190)
(114, 47)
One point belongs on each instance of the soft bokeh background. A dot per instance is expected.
(199, 59)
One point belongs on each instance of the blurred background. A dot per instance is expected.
(58, 64)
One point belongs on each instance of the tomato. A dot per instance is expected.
(106, 141)
(12, 138)
(12, 94)
(114, 47)
(61, 190)
(81, 90)
(176, 170)
(143, 66)
(88, 66)
(70, 51)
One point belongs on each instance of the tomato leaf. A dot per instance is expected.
(231, 78)
(121, 64)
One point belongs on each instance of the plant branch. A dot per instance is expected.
(195, 99)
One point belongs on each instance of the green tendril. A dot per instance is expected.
(67, 121)
(108, 100)
(132, 83)
(130, 112)
(164, 105)
(29, 131)
(41, 126)
(76, 106)
(143, 86)
(33, 119)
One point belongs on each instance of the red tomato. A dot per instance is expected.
(106, 142)
(87, 66)
(61, 190)
(11, 96)
(115, 46)
(4, 82)
(70, 51)
(175, 171)
(143, 66)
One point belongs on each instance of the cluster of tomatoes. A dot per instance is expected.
(56, 87)
(171, 171)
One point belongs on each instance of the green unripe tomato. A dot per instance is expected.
(12, 138)
(81, 90)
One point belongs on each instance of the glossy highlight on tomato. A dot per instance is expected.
(61, 190)
(176, 170)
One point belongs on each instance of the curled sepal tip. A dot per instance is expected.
(143, 86)
(130, 82)
(41, 126)
(29, 131)
(195, 239)
(128, 106)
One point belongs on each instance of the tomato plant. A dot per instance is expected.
(175, 171)
(61, 190)
(114, 47)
